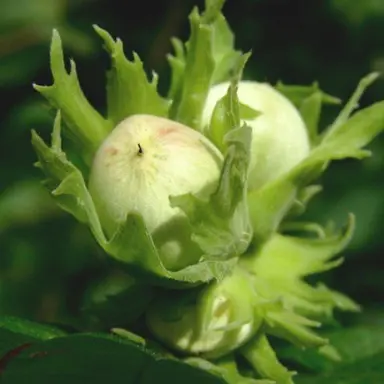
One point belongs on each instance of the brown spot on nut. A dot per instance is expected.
(112, 151)
(166, 130)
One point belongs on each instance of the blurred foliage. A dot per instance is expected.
(46, 258)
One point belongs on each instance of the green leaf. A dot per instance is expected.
(13, 69)
(86, 127)
(17, 334)
(131, 245)
(97, 358)
(271, 203)
(25, 203)
(368, 370)
(128, 90)
(11, 343)
(208, 59)
(29, 328)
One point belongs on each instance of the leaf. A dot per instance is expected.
(97, 358)
(11, 344)
(13, 69)
(18, 334)
(25, 203)
(368, 370)
(128, 90)
(132, 245)
(208, 57)
(271, 203)
(86, 127)
(29, 328)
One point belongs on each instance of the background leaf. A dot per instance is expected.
(91, 358)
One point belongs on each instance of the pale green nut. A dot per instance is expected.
(279, 135)
(215, 321)
(145, 160)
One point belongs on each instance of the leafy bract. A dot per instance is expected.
(352, 104)
(211, 321)
(292, 306)
(309, 101)
(271, 203)
(354, 344)
(220, 225)
(299, 93)
(289, 257)
(128, 89)
(86, 127)
(263, 359)
(131, 245)
(206, 58)
(177, 63)
(228, 369)
(287, 260)
(302, 199)
(228, 110)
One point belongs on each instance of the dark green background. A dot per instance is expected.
(46, 258)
